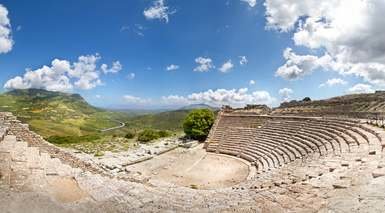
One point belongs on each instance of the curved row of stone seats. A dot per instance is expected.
(22, 133)
(235, 140)
(363, 135)
(283, 139)
(20, 162)
(225, 121)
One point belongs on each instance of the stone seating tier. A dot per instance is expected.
(278, 140)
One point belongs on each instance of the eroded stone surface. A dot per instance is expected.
(37, 177)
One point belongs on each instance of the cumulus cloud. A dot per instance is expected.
(251, 82)
(226, 67)
(333, 82)
(251, 3)
(63, 75)
(360, 88)
(116, 67)
(243, 60)
(353, 44)
(285, 93)
(172, 67)
(158, 10)
(233, 97)
(6, 41)
(204, 64)
(297, 66)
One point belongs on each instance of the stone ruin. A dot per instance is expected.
(296, 164)
(248, 109)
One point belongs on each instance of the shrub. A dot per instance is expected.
(151, 134)
(130, 134)
(164, 133)
(306, 99)
(198, 123)
(72, 139)
(99, 154)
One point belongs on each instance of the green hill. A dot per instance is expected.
(68, 120)
(56, 113)
(170, 120)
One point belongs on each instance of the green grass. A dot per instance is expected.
(67, 120)
(57, 114)
(171, 120)
(72, 139)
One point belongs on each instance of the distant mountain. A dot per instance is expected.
(56, 113)
(198, 106)
(64, 114)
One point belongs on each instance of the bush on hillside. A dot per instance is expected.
(130, 134)
(306, 99)
(148, 135)
(198, 123)
(72, 139)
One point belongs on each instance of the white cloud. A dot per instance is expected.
(62, 75)
(135, 100)
(360, 88)
(158, 10)
(172, 67)
(131, 76)
(285, 93)
(333, 82)
(233, 97)
(297, 66)
(251, 82)
(6, 41)
(98, 96)
(251, 3)
(243, 60)
(204, 64)
(116, 67)
(226, 67)
(352, 44)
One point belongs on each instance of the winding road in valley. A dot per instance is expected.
(122, 124)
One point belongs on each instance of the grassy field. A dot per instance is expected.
(67, 120)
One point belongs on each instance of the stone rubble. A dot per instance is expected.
(349, 178)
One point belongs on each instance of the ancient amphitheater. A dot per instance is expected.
(253, 161)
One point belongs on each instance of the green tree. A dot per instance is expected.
(197, 123)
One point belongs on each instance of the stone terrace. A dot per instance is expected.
(313, 164)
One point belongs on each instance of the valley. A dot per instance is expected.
(68, 121)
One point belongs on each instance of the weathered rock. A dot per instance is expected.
(378, 173)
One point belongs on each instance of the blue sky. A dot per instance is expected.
(178, 33)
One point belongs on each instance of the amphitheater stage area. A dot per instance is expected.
(249, 163)
(194, 168)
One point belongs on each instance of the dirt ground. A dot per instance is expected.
(65, 189)
(194, 168)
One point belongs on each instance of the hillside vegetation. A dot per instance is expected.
(56, 113)
(68, 120)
